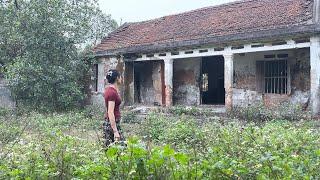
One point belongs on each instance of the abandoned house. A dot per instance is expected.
(235, 54)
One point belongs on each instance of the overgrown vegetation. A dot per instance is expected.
(261, 113)
(65, 146)
(42, 49)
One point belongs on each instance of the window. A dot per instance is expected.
(95, 77)
(273, 76)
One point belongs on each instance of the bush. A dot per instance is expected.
(10, 130)
(255, 113)
(184, 133)
(175, 149)
(276, 151)
(261, 113)
(63, 121)
(154, 127)
(5, 111)
(130, 117)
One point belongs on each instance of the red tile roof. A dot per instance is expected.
(224, 22)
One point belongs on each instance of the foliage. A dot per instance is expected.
(41, 48)
(154, 127)
(190, 111)
(184, 133)
(273, 150)
(261, 113)
(130, 117)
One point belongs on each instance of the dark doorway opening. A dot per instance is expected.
(149, 82)
(212, 80)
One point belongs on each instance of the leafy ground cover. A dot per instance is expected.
(69, 146)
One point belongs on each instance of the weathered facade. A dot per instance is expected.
(237, 54)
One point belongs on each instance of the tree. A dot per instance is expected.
(41, 46)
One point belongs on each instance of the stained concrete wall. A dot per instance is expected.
(5, 96)
(186, 78)
(245, 90)
(105, 64)
(148, 74)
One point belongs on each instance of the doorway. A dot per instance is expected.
(149, 83)
(212, 80)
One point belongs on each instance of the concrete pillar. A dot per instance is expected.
(315, 74)
(168, 78)
(228, 80)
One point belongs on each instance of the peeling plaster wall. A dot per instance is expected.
(150, 85)
(5, 96)
(104, 64)
(245, 93)
(186, 86)
(186, 77)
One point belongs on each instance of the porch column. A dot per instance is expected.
(168, 76)
(315, 74)
(228, 80)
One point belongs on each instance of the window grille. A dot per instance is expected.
(273, 76)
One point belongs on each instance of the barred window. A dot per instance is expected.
(273, 76)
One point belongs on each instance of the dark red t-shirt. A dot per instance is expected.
(111, 94)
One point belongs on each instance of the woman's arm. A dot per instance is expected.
(112, 119)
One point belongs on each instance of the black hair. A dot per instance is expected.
(112, 76)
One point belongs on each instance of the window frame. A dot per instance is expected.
(261, 76)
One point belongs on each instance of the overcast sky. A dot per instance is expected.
(140, 10)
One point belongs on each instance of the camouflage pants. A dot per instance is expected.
(108, 132)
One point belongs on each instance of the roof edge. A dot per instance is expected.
(242, 37)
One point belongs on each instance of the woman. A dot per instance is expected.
(112, 130)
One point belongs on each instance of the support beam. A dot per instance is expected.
(228, 80)
(315, 74)
(168, 71)
(247, 48)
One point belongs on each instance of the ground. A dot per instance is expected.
(176, 143)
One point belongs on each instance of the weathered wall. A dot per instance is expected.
(186, 80)
(104, 64)
(245, 79)
(5, 96)
(148, 74)
(186, 86)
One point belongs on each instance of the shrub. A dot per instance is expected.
(154, 127)
(184, 133)
(261, 113)
(5, 111)
(272, 150)
(130, 117)
(182, 110)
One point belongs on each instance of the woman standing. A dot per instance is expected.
(112, 130)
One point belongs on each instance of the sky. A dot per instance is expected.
(139, 10)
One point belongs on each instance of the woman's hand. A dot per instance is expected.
(116, 136)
